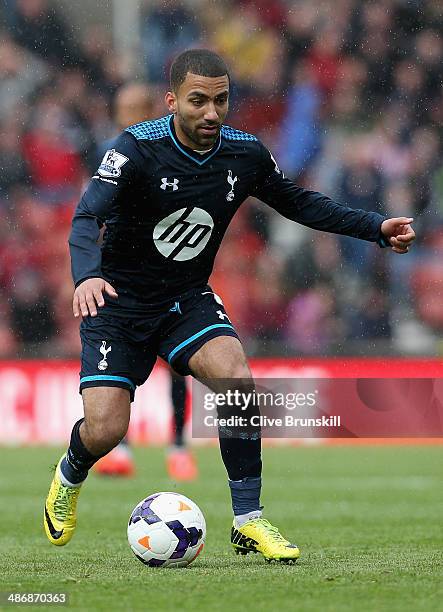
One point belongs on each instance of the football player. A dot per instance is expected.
(167, 191)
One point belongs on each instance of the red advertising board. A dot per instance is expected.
(39, 400)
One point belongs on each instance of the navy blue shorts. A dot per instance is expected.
(120, 348)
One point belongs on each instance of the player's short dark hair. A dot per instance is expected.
(198, 61)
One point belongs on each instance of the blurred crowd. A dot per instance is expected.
(347, 95)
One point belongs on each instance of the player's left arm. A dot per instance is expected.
(318, 211)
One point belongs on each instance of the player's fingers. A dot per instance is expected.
(110, 290)
(83, 305)
(400, 251)
(75, 306)
(403, 220)
(400, 244)
(408, 237)
(98, 295)
(90, 301)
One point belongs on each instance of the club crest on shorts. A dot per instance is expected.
(103, 364)
(231, 181)
(222, 315)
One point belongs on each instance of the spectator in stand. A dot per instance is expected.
(255, 53)
(50, 153)
(21, 74)
(267, 311)
(168, 27)
(14, 170)
(32, 319)
(301, 123)
(38, 27)
(25, 258)
(360, 185)
(312, 326)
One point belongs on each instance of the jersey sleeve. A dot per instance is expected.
(313, 209)
(104, 195)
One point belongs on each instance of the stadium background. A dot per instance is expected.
(346, 94)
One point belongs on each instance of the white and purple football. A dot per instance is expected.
(166, 530)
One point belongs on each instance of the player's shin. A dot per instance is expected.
(242, 459)
(178, 394)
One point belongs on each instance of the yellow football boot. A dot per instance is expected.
(60, 515)
(258, 535)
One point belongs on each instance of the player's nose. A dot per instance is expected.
(211, 113)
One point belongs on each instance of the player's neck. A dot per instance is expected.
(186, 141)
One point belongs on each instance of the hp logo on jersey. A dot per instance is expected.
(173, 185)
(183, 234)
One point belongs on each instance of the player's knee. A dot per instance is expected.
(107, 413)
(105, 435)
(105, 430)
(238, 368)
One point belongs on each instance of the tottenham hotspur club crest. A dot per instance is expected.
(166, 184)
(231, 181)
(103, 364)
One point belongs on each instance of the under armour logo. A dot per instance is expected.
(165, 184)
(222, 315)
(231, 181)
(103, 364)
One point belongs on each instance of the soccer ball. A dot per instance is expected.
(166, 530)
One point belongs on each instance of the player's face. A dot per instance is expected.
(200, 107)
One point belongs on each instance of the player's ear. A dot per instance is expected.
(171, 102)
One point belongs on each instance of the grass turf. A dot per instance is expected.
(368, 521)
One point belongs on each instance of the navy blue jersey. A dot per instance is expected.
(167, 207)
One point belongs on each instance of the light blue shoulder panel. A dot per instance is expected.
(230, 133)
(150, 130)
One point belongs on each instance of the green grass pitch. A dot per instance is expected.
(368, 520)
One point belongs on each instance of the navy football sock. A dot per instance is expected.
(241, 456)
(178, 395)
(242, 459)
(245, 495)
(78, 460)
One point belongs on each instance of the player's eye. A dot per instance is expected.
(197, 102)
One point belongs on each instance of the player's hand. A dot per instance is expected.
(89, 295)
(399, 233)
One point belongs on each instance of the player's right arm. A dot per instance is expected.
(102, 199)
